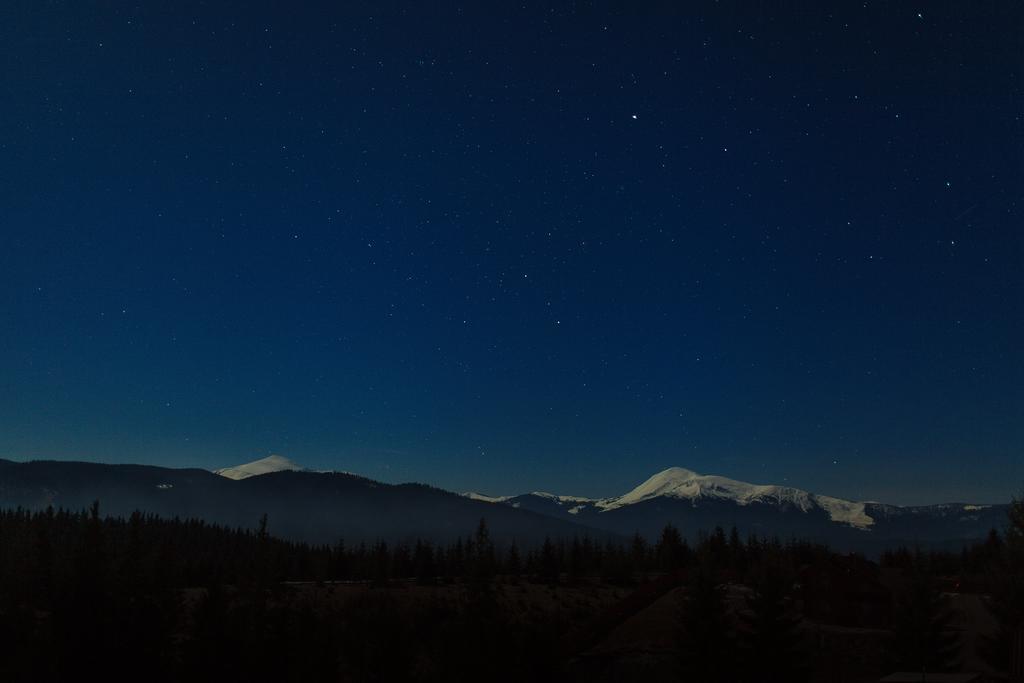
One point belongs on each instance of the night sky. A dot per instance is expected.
(505, 248)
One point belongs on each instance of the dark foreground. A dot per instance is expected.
(170, 600)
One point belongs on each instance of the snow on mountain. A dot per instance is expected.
(271, 463)
(562, 499)
(684, 484)
(573, 504)
(676, 482)
(845, 511)
(671, 482)
(473, 495)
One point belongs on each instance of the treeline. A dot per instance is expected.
(993, 568)
(972, 564)
(169, 599)
(144, 598)
(41, 551)
(746, 619)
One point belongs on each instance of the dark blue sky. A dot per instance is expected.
(519, 247)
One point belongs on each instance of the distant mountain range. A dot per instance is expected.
(318, 507)
(323, 507)
(695, 502)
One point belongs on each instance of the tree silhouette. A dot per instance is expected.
(484, 563)
(638, 551)
(82, 615)
(670, 549)
(181, 598)
(424, 563)
(42, 577)
(922, 638)
(1006, 601)
(513, 563)
(549, 565)
(771, 638)
(706, 634)
(380, 567)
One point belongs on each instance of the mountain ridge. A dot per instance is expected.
(687, 499)
(317, 507)
(325, 506)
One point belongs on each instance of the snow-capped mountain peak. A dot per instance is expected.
(271, 463)
(683, 484)
(676, 482)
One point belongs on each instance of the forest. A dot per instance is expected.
(82, 594)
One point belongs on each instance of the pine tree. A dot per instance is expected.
(922, 639)
(340, 568)
(617, 565)
(456, 559)
(737, 553)
(670, 549)
(771, 637)
(577, 563)
(485, 565)
(42, 577)
(706, 635)
(513, 563)
(1006, 602)
(638, 552)
(82, 617)
(425, 563)
(380, 564)
(402, 565)
(549, 567)
(264, 559)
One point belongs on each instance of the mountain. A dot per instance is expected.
(271, 463)
(695, 502)
(318, 507)
(322, 507)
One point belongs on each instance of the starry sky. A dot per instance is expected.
(506, 247)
